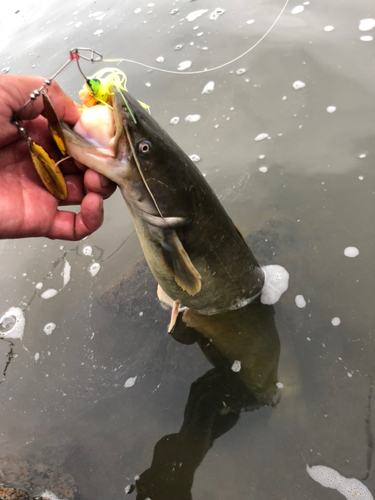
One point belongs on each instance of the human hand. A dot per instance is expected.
(26, 207)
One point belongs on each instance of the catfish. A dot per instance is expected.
(195, 252)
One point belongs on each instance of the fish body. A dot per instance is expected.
(194, 250)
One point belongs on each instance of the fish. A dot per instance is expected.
(194, 250)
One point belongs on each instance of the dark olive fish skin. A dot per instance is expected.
(194, 250)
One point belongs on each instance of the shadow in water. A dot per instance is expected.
(244, 348)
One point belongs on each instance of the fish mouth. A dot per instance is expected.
(99, 139)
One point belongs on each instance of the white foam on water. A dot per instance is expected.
(360, 177)
(194, 15)
(209, 87)
(138, 10)
(276, 280)
(298, 9)
(37, 356)
(351, 252)
(279, 385)
(66, 273)
(241, 71)
(98, 32)
(300, 301)
(367, 38)
(329, 28)
(261, 157)
(297, 85)
(51, 292)
(195, 158)
(48, 328)
(87, 250)
(39, 286)
(363, 155)
(94, 268)
(184, 65)
(130, 382)
(261, 137)
(336, 321)
(175, 120)
(366, 24)
(250, 21)
(236, 367)
(331, 109)
(216, 13)
(263, 169)
(48, 495)
(128, 489)
(351, 488)
(160, 59)
(192, 118)
(15, 319)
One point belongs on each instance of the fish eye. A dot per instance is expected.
(144, 147)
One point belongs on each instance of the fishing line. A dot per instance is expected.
(181, 72)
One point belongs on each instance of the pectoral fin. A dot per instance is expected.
(179, 265)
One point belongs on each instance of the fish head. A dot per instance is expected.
(155, 176)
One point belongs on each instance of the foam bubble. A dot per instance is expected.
(351, 488)
(51, 292)
(216, 13)
(298, 9)
(366, 24)
(298, 85)
(263, 169)
(366, 38)
(160, 59)
(12, 324)
(250, 21)
(48, 495)
(184, 65)
(300, 301)
(261, 137)
(236, 367)
(130, 382)
(87, 250)
(192, 118)
(138, 10)
(351, 252)
(94, 268)
(194, 15)
(241, 71)
(66, 273)
(48, 328)
(195, 158)
(331, 109)
(37, 356)
(329, 28)
(209, 87)
(336, 321)
(276, 280)
(175, 120)
(39, 286)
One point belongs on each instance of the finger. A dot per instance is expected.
(71, 226)
(76, 191)
(15, 91)
(99, 184)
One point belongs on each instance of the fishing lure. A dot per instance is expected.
(97, 89)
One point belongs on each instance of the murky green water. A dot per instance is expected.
(64, 404)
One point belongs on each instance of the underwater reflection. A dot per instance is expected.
(244, 348)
